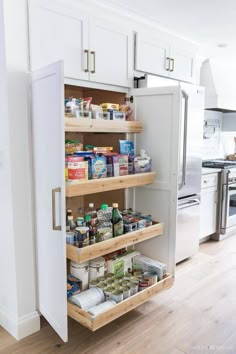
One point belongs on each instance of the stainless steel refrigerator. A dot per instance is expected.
(172, 136)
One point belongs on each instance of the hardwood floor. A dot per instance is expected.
(196, 316)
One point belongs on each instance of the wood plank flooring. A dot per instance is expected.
(196, 316)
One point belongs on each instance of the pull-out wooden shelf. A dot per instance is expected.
(101, 126)
(94, 323)
(109, 184)
(80, 255)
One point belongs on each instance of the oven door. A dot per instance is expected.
(229, 206)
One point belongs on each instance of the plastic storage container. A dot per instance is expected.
(96, 268)
(80, 271)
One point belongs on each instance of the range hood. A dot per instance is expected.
(218, 76)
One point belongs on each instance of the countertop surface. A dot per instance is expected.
(207, 170)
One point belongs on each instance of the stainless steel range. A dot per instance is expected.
(227, 197)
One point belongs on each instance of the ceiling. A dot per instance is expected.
(208, 22)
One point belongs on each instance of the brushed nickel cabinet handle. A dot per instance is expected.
(54, 225)
(94, 61)
(172, 64)
(167, 64)
(87, 53)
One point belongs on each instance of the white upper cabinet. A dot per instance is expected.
(182, 63)
(151, 55)
(92, 49)
(165, 56)
(58, 34)
(110, 53)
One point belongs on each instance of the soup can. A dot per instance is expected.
(93, 283)
(151, 278)
(108, 292)
(133, 288)
(70, 238)
(126, 291)
(117, 295)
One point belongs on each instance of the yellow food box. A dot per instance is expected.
(107, 106)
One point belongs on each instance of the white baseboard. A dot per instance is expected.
(19, 327)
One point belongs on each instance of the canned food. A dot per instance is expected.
(108, 292)
(102, 285)
(127, 276)
(109, 281)
(101, 278)
(124, 282)
(138, 274)
(80, 221)
(133, 288)
(109, 275)
(116, 285)
(70, 238)
(126, 292)
(143, 285)
(151, 278)
(117, 295)
(81, 236)
(93, 283)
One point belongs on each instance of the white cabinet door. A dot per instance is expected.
(49, 193)
(58, 33)
(110, 53)
(208, 217)
(182, 63)
(151, 55)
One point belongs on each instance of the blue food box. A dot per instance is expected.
(97, 166)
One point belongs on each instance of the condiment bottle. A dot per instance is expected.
(117, 221)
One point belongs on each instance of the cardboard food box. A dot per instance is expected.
(110, 106)
(97, 167)
(122, 264)
(149, 265)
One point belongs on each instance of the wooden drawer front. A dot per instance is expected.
(209, 180)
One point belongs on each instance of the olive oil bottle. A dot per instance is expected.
(117, 221)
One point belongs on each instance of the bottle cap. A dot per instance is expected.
(91, 205)
(115, 205)
(70, 217)
(69, 211)
(88, 217)
(104, 206)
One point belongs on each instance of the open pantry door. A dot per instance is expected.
(49, 193)
(159, 111)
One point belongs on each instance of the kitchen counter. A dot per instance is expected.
(207, 170)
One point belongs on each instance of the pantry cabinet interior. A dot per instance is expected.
(51, 200)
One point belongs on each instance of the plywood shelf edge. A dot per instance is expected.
(108, 184)
(94, 323)
(102, 126)
(80, 255)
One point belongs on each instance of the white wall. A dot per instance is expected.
(8, 298)
(18, 148)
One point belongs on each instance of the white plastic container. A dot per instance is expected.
(96, 268)
(80, 271)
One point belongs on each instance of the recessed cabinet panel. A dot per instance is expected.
(182, 65)
(49, 194)
(56, 34)
(110, 53)
(151, 55)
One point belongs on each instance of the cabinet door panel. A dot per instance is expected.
(208, 217)
(57, 34)
(182, 64)
(112, 61)
(49, 155)
(151, 54)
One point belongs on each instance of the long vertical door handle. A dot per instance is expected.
(183, 182)
(87, 60)
(94, 61)
(54, 209)
(167, 64)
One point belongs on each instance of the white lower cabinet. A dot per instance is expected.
(209, 205)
